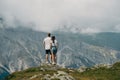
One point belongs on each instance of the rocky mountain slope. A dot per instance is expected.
(22, 48)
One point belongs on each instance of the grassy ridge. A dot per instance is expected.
(101, 73)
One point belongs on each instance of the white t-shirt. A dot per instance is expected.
(47, 42)
(55, 43)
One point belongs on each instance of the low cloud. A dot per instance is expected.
(50, 15)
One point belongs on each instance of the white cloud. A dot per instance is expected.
(48, 15)
(117, 28)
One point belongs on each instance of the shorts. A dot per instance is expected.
(47, 51)
(54, 50)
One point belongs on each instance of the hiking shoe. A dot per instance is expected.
(47, 62)
(53, 63)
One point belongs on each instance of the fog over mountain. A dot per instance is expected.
(48, 15)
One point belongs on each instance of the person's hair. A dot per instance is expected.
(53, 39)
(49, 34)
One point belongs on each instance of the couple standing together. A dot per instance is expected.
(50, 46)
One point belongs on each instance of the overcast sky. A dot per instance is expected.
(49, 15)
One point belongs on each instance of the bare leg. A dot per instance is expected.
(50, 58)
(46, 58)
(55, 58)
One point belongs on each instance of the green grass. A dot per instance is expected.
(101, 73)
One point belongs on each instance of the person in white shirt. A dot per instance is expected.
(54, 48)
(47, 47)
